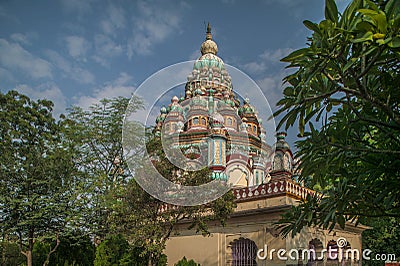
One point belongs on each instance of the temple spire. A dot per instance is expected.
(209, 46)
(208, 33)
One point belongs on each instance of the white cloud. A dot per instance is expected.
(156, 23)
(105, 48)
(115, 20)
(272, 88)
(46, 91)
(15, 58)
(23, 39)
(275, 56)
(266, 60)
(123, 79)
(119, 87)
(6, 75)
(69, 70)
(77, 47)
(255, 67)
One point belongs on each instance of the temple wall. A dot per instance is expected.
(257, 226)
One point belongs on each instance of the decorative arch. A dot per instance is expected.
(278, 161)
(287, 162)
(244, 252)
(316, 245)
(238, 174)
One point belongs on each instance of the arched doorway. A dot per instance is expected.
(244, 252)
(315, 247)
(332, 250)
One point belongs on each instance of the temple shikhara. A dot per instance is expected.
(212, 125)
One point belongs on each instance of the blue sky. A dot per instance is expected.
(75, 52)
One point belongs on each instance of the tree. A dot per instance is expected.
(96, 136)
(112, 251)
(143, 218)
(76, 248)
(346, 80)
(115, 202)
(36, 174)
(11, 254)
(383, 238)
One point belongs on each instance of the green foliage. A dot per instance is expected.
(383, 238)
(75, 249)
(95, 136)
(36, 173)
(39, 253)
(344, 96)
(185, 262)
(10, 254)
(115, 250)
(138, 216)
(112, 251)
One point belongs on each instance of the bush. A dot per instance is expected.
(112, 251)
(185, 262)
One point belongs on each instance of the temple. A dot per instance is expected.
(214, 126)
(211, 117)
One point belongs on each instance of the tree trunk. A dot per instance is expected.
(3, 252)
(28, 255)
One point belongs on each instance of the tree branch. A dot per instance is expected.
(47, 261)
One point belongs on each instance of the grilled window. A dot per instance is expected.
(244, 252)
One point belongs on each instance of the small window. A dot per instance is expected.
(255, 129)
(257, 178)
(244, 252)
(229, 121)
(167, 127)
(195, 121)
(203, 121)
(174, 127)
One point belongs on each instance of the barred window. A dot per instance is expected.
(244, 252)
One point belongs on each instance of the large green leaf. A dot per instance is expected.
(312, 26)
(395, 43)
(331, 11)
(368, 36)
(296, 54)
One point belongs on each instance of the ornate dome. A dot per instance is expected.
(208, 70)
(209, 47)
(281, 143)
(175, 106)
(247, 109)
(208, 60)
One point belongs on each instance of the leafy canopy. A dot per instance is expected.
(344, 96)
(37, 188)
